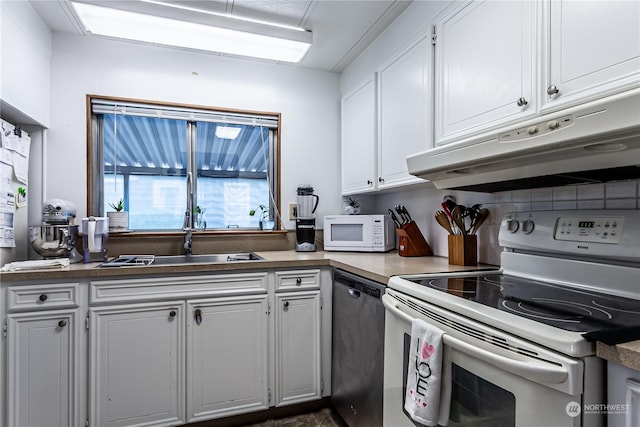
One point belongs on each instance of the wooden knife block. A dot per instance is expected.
(463, 250)
(411, 241)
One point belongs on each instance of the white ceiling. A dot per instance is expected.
(341, 29)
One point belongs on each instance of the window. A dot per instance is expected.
(151, 154)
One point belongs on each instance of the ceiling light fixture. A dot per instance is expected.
(227, 132)
(213, 33)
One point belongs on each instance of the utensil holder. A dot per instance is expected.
(411, 241)
(463, 250)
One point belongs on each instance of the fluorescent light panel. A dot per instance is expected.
(166, 31)
(227, 132)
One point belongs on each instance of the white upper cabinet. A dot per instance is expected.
(387, 118)
(484, 64)
(593, 49)
(359, 139)
(404, 110)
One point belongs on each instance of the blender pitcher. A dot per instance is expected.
(307, 201)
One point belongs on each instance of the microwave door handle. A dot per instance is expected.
(539, 372)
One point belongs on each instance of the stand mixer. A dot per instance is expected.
(57, 236)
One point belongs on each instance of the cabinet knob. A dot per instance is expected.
(381, 179)
(62, 323)
(298, 281)
(197, 316)
(172, 313)
(286, 304)
(369, 182)
(43, 297)
(522, 102)
(552, 90)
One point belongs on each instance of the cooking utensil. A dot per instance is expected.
(458, 218)
(443, 219)
(406, 213)
(482, 215)
(395, 218)
(400, 211)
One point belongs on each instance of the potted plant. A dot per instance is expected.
(118, 218)
(263, 220)
(352, 206)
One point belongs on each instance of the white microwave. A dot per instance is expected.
(359, 233)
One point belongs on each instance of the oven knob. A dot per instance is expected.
(513, 225)
(528, 226)
(532, 130)
(553, 124)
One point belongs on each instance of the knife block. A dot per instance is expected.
(411, 241)
(463, 250)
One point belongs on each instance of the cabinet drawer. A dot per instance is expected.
(297, 280)
(42, 297)
(162, 288)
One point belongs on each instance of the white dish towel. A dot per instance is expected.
(424, 379)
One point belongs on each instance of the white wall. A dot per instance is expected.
(307, 99)
(25, 52)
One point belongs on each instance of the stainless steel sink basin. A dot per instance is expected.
(205, 259)
(144, 260)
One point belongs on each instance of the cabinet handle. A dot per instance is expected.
(522, 102)
(62, 323)
(298, 281)
(197, 315)
(552, 90)
(286, 304)
(43, 297)
(172, 313)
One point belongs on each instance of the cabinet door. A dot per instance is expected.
(359, 139)
(41, 369)
(227, 357)
(137, 365)
(484, 67)
(593, 49)
(297, 347)
(404, 121)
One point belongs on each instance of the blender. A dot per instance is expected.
(57, 236)
(305, 220)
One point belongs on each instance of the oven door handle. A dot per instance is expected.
(531, 369)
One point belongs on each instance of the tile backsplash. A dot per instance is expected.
(424, 201)
(611, 195)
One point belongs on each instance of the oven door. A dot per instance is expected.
(494, 380)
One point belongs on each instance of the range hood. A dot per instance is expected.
(594, 142)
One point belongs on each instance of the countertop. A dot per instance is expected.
(377, 267)
(626, 354)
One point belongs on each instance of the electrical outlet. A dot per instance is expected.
(293, 211)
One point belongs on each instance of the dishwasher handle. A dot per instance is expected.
(533, 370)
(354, 293)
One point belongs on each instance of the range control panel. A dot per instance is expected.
(590, 229)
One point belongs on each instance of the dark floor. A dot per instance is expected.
(323, 418)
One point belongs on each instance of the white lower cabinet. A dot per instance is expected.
(297, 347)
(227, 357)
(42, 360)
(137, 367)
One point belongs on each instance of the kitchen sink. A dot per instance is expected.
(205, 259)
(145, 260)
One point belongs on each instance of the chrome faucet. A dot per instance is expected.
(187, 225)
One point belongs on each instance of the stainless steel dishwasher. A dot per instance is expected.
(358, 349)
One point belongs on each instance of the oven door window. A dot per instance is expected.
(475, 402)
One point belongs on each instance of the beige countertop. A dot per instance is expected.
(626, 354)
(378, 267)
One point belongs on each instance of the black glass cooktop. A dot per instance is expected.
(563, 307)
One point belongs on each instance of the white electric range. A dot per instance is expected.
(515, 337)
